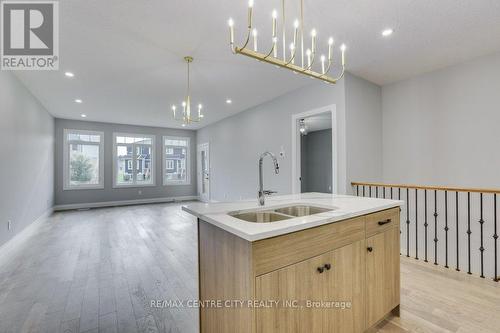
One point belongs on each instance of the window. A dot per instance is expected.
(176, 168)
(83, 161)
(134, 160)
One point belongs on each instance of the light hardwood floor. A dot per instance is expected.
(98, 270)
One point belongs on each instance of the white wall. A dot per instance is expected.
(364, 130)
(442, 128)
(237, 142)
(27, 150)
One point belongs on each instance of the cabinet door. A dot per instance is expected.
(382, 274)
(303, 283)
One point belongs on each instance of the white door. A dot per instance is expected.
(204, 172)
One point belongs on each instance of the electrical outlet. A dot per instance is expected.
(282, 152)
(9, 224)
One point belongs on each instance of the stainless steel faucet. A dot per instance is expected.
(262, 192)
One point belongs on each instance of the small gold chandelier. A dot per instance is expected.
(306, 61)
(186, 116)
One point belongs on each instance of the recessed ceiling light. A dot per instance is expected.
(79, 101)
(228, 101)
(69, 74)
(83, 115)
(183, 125)
(387, 32)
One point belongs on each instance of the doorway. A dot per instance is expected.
(203, 153)
(316, 153)
(323, 162)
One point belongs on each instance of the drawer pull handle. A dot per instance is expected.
(320, 269)
(384, 222)
(369, 248)
(328, 266)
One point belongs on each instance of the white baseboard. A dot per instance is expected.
(16, 241)
(123, 203)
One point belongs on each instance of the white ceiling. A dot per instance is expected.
(127, 54)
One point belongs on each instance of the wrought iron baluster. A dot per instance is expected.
(363, 190)
(391, 192)
(370, 191)
(357, 190)
(456, 231)
(468, 231)
(446, 229)
(495, 237)
(383, 191)
(425, 223)
(435, 229)
(376, 191)
(407, 222)
(416, 224)
(481, 223)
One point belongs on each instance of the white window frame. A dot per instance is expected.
(134, 158)
(188, 161)
(66, 181)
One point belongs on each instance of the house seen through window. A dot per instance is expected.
(176, 164)
(134, 160)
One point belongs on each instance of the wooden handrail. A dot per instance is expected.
(432, 188)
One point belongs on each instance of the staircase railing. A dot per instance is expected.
(446, 225)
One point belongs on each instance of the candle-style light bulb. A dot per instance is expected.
(250, 7)
(254, 34)
(173, 110)
(343, 48)
(230, 22)
(308, 54)
(296, 31)
(199, 110)
(275, 16)
(313, 40)
(323, 64)
(330, 45)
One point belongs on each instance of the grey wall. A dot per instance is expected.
(116, 194)
(27, 150)
(237, 142)
(363, 130)
(316, 161)
(442, 128)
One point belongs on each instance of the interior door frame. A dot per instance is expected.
(338, 153)
(206, 147)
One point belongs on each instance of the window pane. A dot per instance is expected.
(83, 164)
(124, 167)
(84, 137)
(143, 169)
(176, 160)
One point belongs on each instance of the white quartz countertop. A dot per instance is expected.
(344, 207)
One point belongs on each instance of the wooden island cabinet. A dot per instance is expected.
(339, 277)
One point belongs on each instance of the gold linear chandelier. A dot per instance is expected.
(307, 58)
(186, 116)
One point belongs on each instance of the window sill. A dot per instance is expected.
(176, 183)
(78, 188)
(133, 186)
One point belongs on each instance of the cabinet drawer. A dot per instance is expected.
(277, 252)
(381, 221)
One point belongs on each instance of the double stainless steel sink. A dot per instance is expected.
(279, 214)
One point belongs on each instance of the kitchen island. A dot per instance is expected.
(302, 263)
